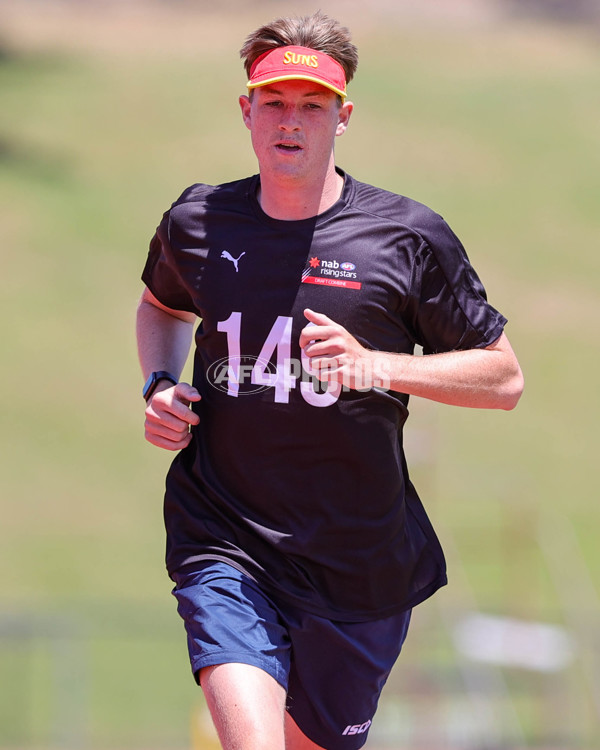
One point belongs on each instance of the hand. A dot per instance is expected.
(334, 354)
(168, 415)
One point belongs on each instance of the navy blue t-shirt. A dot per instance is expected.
(304, 486)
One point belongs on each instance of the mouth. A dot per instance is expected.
(288, 147)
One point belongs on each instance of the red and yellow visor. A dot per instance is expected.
(298, 63)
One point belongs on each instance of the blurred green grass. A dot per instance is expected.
(496, 131)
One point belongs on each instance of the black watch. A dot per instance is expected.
(152, 382)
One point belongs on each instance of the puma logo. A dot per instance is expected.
(228, 256)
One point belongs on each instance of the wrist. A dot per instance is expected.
(162, 385)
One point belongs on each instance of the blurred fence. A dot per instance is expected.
(44, 656)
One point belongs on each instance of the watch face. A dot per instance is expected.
(153, 380)
(149, 384)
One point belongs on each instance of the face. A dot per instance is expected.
(293, 125)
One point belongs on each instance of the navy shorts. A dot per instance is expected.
(333, 672)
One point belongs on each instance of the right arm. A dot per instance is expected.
(163, 338)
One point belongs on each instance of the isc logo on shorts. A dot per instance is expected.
(357, 728)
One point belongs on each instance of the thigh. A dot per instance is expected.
(247, 706)
(337, 673)
(229, 620)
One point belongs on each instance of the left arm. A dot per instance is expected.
(488, 378)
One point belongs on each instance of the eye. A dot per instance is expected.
(273, 103)
(313, 105)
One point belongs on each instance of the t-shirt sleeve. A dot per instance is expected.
(451, 311)
(164, 273)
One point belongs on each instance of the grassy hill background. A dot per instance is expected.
(106, 115)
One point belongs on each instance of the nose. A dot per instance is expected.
(289, 120)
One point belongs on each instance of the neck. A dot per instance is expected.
(290, 199)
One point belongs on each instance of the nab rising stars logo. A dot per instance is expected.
(331, 273)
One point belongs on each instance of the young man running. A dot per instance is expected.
(297, 543)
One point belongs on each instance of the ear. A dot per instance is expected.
(246, 106)
(344, 117)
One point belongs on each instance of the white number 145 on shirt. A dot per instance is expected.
(286, 373)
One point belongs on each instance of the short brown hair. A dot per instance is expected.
(317, 31)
